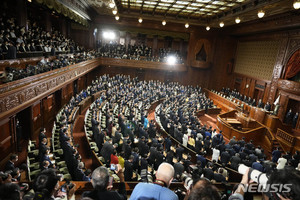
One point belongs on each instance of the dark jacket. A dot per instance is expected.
(107, 195)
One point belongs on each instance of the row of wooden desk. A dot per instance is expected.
(252, 113)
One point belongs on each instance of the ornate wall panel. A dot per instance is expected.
(256, 58)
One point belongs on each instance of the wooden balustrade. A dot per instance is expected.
(286, 140)
(17, 95)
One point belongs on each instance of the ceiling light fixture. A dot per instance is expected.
(140, 20)
(117, 17)
(221, 24)
(115, 11)
(111, 4)
(207, 28)
(237, 20)
(164, 22)
(187, 25)
(261, 14)
(296, 4)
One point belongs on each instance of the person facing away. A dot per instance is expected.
(159, 189)
(100, 182)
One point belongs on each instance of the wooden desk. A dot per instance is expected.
(233, 122)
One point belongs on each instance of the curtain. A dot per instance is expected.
(293, 65)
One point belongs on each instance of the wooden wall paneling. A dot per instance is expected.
(283, 101)
(252, 88)
(48, 109)
(37, 120)
(5, 138)
(58, 100)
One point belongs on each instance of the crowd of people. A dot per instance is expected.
(16, 39)
(133, 150)
(45, 65)
(138, 52)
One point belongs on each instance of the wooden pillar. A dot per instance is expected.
(283, 102)
(154, 48)
(22, 12)
(63, 26)
(48, 22)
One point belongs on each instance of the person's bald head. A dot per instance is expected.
(165, 173)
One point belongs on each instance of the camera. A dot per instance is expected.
(66, 186)
(188, 180)
(255, 175)
(113, 167)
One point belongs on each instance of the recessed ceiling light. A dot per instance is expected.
(164, 22)
(237, 20)
(221, 24)
(296, 4)
(140, 20)
(261, 14)
(207, 28)
(187, 25)
(117, 17)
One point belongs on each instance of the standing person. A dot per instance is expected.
(100, 182)
(159, 189)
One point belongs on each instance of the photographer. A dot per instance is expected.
(100, 182)
(46, 187)
(282, 184)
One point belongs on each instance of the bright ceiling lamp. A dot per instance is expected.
(140, 20)
(117, 17)
(114, 11)
(296, 4)
(237, 20)
(221, 24)
(164, 22)
(111, 4)
(187, 25)
(261, 14)
(207, 28)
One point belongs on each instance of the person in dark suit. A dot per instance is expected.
(128, 172)
(107, 150)
(10, 165)
(100, 182)
(268, 106)
(179, 151)
(127, 149)
(11, 52)
(42, 148)
(295, 120)
(208, 172)
(225, 156)
(276, 154)
(42, 134)
(32, 47)
(235, 161)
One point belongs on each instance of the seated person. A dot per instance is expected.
(159, 189)
(10, 165)
(100, 182)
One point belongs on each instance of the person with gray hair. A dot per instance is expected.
(159, 189)
(100, 182)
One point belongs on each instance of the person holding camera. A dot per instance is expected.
(46, 187)
(159, 189)
(100, 182)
